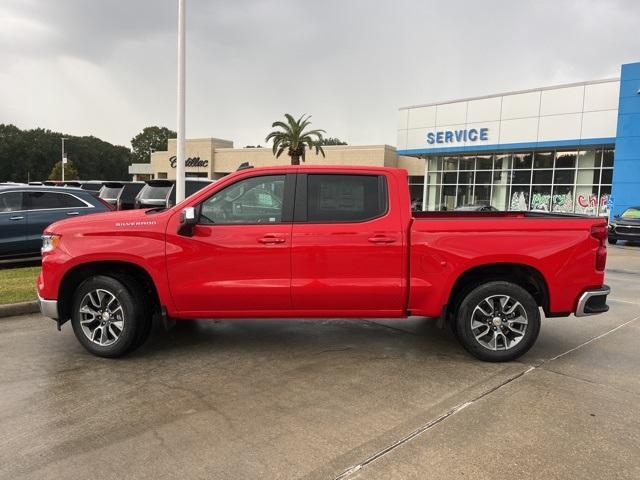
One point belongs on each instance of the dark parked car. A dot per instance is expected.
(25, 211)
(476, 208)
(162, 193)
(625, 226)
(128, 194)
(92, 185)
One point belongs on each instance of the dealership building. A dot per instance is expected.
(567, 148)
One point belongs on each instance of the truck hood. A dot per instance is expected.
(118, 220)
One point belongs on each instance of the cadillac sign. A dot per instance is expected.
(190, 162)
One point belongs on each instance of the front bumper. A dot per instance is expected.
(593, 302)
(48, 308)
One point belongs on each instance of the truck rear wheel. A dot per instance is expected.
(109, 318)
(498, 321)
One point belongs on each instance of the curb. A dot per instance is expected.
(22, 308)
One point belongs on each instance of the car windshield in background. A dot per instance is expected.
(151, 192)
(108, 193)
(631, 213)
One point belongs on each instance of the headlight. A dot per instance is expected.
(49, 243)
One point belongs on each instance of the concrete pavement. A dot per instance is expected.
(327, 399)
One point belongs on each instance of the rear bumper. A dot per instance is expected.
(593, 302)
(48, 308)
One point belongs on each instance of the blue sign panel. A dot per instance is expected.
(451, 136)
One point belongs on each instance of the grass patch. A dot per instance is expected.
(18, 284)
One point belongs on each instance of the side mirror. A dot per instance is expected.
(188, 219)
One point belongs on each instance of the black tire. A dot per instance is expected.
(507, 345)
(145, 317)
(612, 241)
(129, 305)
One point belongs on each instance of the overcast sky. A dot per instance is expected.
(108, 67)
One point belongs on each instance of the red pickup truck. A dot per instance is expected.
(321, 241)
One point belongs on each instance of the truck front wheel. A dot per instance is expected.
(107, 317)
(498, 321)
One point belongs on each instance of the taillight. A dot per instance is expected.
(599, 232)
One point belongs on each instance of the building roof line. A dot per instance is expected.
(514, 92)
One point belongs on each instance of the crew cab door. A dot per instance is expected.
(238, 259)
(13, 223)
(347, 246)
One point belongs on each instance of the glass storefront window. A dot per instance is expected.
(448, 198)
(465, 178)
(588, 177)
(464, 195)
(501, 177)
(562, 199)
(502, 162)
(519, 198)
(563, 181)
(522, 160)
(467, 163)
(566, 159)
(543, 160)
(564, 177)
(587, 199)
(482, 195)
(450, 178)
(450, 163)
(588, 159)
(542, 176)
(499, 197)
(484, 162)
(541, 198)
(521, 177)
(483, 177)
(435, 163)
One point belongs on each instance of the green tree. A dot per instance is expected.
(293, 137)
(150, 139)
(70, 172)
(31, 154)
(332, 141)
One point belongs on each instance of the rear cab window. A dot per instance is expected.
(334, 198)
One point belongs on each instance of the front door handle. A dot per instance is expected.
(16, 218)
(271, 239)
(381, 239)
(73, 213)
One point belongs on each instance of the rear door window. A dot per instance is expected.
(345, 198)
(52, 200)
(11, 202)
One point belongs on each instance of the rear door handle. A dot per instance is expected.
(73, 213)
(16, 218)
(271, 239)
(381, 239)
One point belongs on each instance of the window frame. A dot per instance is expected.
(301, 207)
(287, 201)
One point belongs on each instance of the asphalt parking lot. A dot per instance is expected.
(327, 399)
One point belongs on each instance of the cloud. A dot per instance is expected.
(108, 68)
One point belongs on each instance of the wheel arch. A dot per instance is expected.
(526, 276)
(79, 273)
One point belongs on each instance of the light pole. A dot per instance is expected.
(180, 147)
(64, 158)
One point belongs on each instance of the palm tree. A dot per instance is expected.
(293, 138)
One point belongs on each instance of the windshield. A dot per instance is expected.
(631, 213)
(109, 193)
(150, 192)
